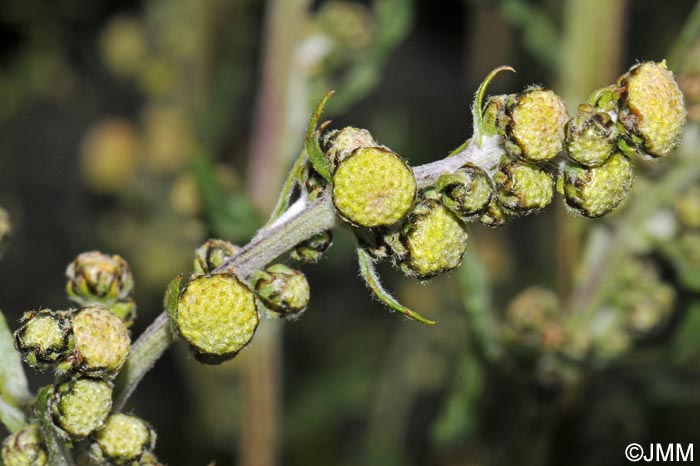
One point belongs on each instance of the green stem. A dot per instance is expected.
(59, 455)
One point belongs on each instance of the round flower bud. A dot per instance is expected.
(591, 137)
(282, 290)
(340, 144)
(43, 337)
(5, 230)
(217, 316)
(25, 448)
(81, 405)
(522, 187)
(123, 440)
(652, 108)
(532, 319)
(495, 215)
(535, 122)
(687, 208)
(373, 187)
(311, 250)
(466, 192)
(212, 254)
(434, 239)
(100, 343)
(97, 277)
(594, 192)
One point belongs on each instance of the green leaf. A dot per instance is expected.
(59, 452)
(11, 416)
(478, 105)
(14, 389)
(318, 160)
(172, 292)
(369, 275)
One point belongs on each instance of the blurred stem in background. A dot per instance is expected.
(588, 61)
(273, 143)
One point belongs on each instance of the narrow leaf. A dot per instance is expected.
(59, 453)
(11, 416)
(318, 160)
(369, 274)
(478, 106)
(14, 389)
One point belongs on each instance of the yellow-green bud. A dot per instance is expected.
(466, 192)
(687, 208)
(100, 343)
(373, 187)
(532, 319)
(535, 122)
(80, 405)
(594, 192)
(123, 440)
(591, 137)
(311, 250)
(149, 459)
(521, 186)
(652, 109)
(282, 290)
(5, 230)
(43, 337)
(97, 277)
(495, 215)
(340, 144)
(434, 239)
(217, 316)
(212, 254)
(25, 448)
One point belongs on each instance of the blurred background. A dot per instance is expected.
(142, 128)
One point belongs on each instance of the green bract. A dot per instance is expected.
(212, 254)
(373, 187)
(217, 316)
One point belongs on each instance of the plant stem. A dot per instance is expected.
(274, 240)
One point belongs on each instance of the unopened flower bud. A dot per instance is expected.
(466, 192)
(25, 448)
(149, 459)
(123, 440)
(340, 144)
(494, 113)
(594, 192)
(97, 277)
(495, 214)
(534, 124)
(373, 187)
(311, 250)
(591, 137)
(80, 405)
(532, 319)
(434, 239)
(100, 343)
(43, 337)
(282, 290)
(212, 254)
(652, 109)
(522, 187)
(217, 316)
(687, 208)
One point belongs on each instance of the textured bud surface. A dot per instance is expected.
(593, 192)
(81, 405)
(591, 137)
(522, 187)
(43, 336)
(435, 240)
(535, 129)
(24, 448)
(212, 254)
(282, 289)
(101, 341)
(341, 143)
(652, 107)
(217, 316)
(311, 250)
(373, 187)
(466, 192)
(124, 439)
(94, 276)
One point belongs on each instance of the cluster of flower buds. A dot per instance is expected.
(97, 278)
(87, 347)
